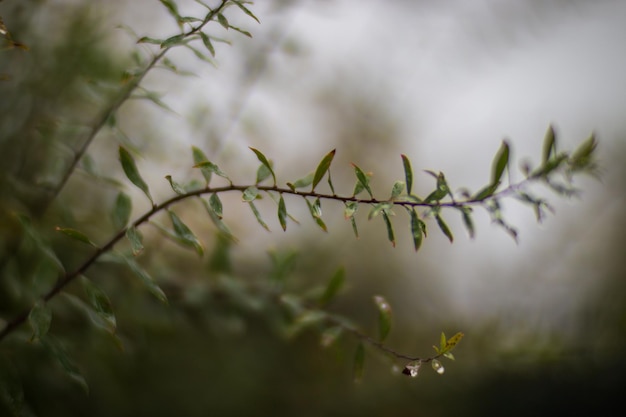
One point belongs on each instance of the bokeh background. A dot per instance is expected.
(442, 82)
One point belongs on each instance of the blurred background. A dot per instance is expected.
(442, 82)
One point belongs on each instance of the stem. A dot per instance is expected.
(71, 276)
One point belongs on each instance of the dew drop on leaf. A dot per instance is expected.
(438, 367)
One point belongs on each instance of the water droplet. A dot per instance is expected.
(412, 369)
(438, 367)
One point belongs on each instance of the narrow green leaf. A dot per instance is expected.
(39, 318)
(207, 43)
(304, 181)
(354, 228)
(262, 173)
(172, 7)
(467, 220)
(408, 173)
(359, 363)
(185, 234)
(349, 211)
(121, 211)
(173, 40)
(384, 317)
(243, 32)
(333, 287)
(210, 166)
(245, 10)
(136, 240)
(549, 145)
(257, 215)
(444, 227)
(57, 350)
(223, 21)
(132, 173)
(398, 188)
(315, 209)
(198, 158)
(100, 302)
(75, 234)
(442, 342)
(363, 179)
(39, 242)
(582, 157)
(322, 168)
(216, 205)
(146, 279)
(265, 163)
(282, 213)
(500, 163)
(146, 39)
(416, 229)
(453, 341)
(176, 187)
(250, 194)
(390, 234)
(486, 192)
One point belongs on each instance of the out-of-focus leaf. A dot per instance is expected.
(330, 336)
(444, 228)
(257, 215)
(333, 287)
(359, 363)
(283, 264)
(185, 235)
(57, 350)
(467, 220)
(322, 168)
(198, 158)
(390, 234)
(136, 240)
(11, 390)
(582, 157)
(245, 10)
(100, 302)
(146, 279)
(397, 189)
(173, 40)
(45, 249)
(147, 39)
(207, 43)
(39, 318)
(216, 205)
(363, 179)
(500, 163)
(132, 173)
(416, 229)
(549, 145)
(282, 213)
(408, 173)
(378, 208)
(75, 234)
(176, 187)
(486, 192)
(223, 21)
(121, 211)
(211, 167)
(172, 7)
(250, 194)
(384, 317)
(240, 30)
(266, 163)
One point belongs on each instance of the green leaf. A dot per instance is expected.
(377, 209)
(207, 43)
(416, 229)
(250, 194)
(359, 363)
(444, 227)
(549, 145)
(173, 40)
(467, 220)
(172, 7)
(442, 188)
(146, 39)
(322, 168)
(330, 336)
(210, 166)
(500, 163)
(349, 211)
(75, 234)
(282, 213)
(146, 279)
(262, 173)
(582, 157)
(316, 212)
(130, 169)
(486, 192)
(57, 350)
(39, 318)
(397, 189)
(34, 235)
(136, 240)
(198, 158)
(176, 187)
(121, 211)
(453, 341)
(390, 234)
(185, 234)
(257, 215)
(243, 32)
(408, 173)
(302, 182)
(245, 10)
(333, 287)
(216, 205)
(362, 179)
(442, 342)
(223, 21)
(282, 265)
(100, 302)
(266, 163)
(384, 317)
